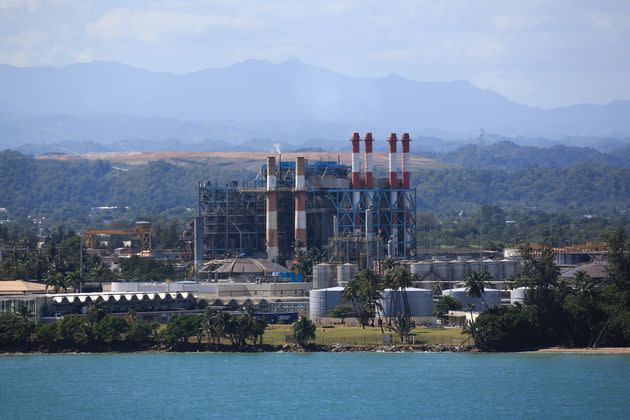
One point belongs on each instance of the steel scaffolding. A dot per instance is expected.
(234, 215)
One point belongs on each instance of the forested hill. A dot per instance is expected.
(510, 156)
(69, 190)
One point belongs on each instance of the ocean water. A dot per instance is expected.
(319, 385)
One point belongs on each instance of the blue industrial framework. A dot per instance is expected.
(351, 219)
(233, 214)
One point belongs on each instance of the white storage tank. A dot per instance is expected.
(516, 267)
(473, 265)
(420, 301)
(492, 297)
(345, 272)
(493, 269)
(458, 270)
(421, 268)
(441, 269)
(517, 295)
(507, 269)
(320, 275)
(322, 301)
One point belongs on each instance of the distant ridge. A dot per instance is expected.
(289, 102)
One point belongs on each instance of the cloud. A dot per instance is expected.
(83, 56)
(23, 49)
(390, 55)
(30, 5)
(154, 25)
(518, 23)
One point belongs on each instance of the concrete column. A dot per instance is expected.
(272, 210)
(300, 202)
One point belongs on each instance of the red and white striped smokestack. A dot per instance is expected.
(356, 161)
(271, 233)
(369, 164)
(300, 202)
(405, 160)
(393, 179)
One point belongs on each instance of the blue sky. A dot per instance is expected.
(538, 52)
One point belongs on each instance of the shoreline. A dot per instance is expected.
(267, 348)
(293, 348)
(585, 350)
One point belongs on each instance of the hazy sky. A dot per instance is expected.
(544, 53)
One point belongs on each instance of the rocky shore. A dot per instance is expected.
(264, 348)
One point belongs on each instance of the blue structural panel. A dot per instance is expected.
(233, 214)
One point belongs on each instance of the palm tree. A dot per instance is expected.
(363, 293)
(470, 327)
(304, 331)
(399, 280)
(57, 282)
(476, 284)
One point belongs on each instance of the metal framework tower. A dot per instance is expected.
(311, 202)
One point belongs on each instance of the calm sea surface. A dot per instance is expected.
(321, 385)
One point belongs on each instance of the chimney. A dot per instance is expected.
(405, 160)
(356, 180)
(393, 181)
(272, 210)
(356, 161)
(300, 202)
(368, 160)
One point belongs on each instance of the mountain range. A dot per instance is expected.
(257, 104)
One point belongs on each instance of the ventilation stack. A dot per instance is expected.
(405, 160)
(271, 233)
(356, 180)
(405, 184)
(369, 164)
(393, 178)
(300, 202)
(393, 184)
(356, 161)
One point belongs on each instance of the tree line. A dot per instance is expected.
(67, 191)
(100, 331)
(364, 296)
(61, 261)
(500, 228)
(584, 313)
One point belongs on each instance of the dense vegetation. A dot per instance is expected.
(581, 314)
(59, 259)
(510, 156)
(99, 331)
(67, 191)
(577, 190)
(500, 228)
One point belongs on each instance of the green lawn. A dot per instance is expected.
(275, 334)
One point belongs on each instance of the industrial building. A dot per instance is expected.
(345, 209)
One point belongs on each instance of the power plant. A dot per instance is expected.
(354, 215)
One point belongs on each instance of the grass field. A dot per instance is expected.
(275, 334)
